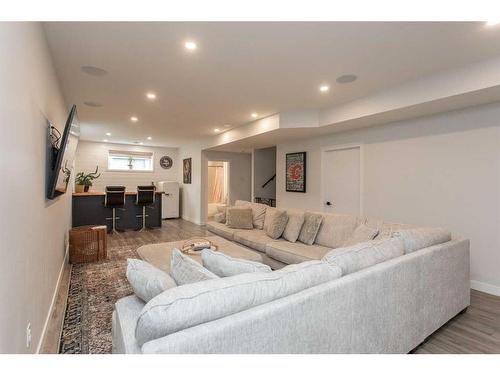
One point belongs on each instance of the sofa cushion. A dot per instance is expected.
(290, 252)
(146, 280)
(418, 238)
(336, 229)
(220, 217)
(221, 229)
(190, 305)
(385, 229)
(276, 223)
(310, 228)
(294, 225)
(223, 265)
(255, 239)
(185, 270)
(258, 212)
(239, 217)
(124, 319)
(362, 233)
(354, 258)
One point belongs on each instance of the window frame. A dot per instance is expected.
(128, 153)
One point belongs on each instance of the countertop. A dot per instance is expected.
(100, 193)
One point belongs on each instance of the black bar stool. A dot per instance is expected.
(114, 198)
(145, 197)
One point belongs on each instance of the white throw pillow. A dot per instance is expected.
(418, 238)
(185, 270)
(294, 225)
(146, 280)
(190, 305)
(362, 233)
(223, 265)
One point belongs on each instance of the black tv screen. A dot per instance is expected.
(63, 149)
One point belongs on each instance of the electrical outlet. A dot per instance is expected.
(28, 336)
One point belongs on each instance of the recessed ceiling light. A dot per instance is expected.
(108, 134)
(134, 119)
(216, 130)
(93, 70)
(150, 138)
(190, 45)
(254, 115)
(324, 88)
(151, 95)
(141, 143)
(92, 104)
(347, 78)
(104, 140)
(492, 23)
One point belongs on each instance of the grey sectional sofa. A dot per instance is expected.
(389, 307)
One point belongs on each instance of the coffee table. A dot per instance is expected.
(159, 254)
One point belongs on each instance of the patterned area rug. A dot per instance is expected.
(95, 287)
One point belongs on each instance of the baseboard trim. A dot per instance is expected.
(485, 287)
(197, 222)
(52, 303)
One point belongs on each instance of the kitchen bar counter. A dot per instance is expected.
(89, 209)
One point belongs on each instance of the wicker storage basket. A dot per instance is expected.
(87, 244)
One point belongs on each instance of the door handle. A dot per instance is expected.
(328, 203)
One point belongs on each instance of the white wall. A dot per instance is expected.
(264, 167)
(90, 154)
(441, 170)
(33, 229)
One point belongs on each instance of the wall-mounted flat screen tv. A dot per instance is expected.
(62, 154)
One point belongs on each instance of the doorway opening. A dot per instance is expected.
(218, 187)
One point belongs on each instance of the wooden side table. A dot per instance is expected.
(87, 244)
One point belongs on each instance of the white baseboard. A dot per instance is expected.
(485, 287)
(192, 220)
(54, 296)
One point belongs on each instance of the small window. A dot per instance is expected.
(130, 161)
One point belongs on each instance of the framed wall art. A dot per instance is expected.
(296, 172)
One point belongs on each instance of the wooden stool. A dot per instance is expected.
(87, 244)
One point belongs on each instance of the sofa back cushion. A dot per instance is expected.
(258, 212)
(223, 265)
(190, 305)
(185, 270)
(294, 225)
(310, 228)
(239, 217)
(386, 229)
(336, 229)
(354, 258)
(418, 238)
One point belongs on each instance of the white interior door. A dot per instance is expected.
(342, 180)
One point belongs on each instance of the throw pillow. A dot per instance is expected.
(239, 217)
(146, 280)
(220, 217)
(336, 229)
(354, 258)
(223, 265)
(294, 225)
(258, 212)
(362, 233)
(275, 223)
(185, 270)
(418, 238)
(190, 305)
(310, 228)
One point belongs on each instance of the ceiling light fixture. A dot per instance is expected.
(104, 140)
(150, 138)
(324, 88)
(151, 95)
(254, 115)
(190, 45)
(217, 130)
(108, 134)
(347, 78)
(134, 119)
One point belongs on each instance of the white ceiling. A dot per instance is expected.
(241, 68)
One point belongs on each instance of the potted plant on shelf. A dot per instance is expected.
(83, 180)
(130, 162)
